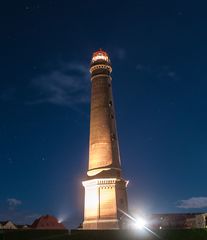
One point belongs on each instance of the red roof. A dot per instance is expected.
(47, 222)
(100, 52)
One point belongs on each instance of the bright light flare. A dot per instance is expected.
(62, 218)
(140, 223)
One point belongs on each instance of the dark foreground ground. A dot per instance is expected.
(196, 234)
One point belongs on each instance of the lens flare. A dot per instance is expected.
(140, 223)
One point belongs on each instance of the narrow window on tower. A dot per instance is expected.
(109, 84)
(113, 137)
(111, 116)
(110, 103)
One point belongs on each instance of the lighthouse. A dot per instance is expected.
(105, 188)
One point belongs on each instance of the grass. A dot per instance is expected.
(32, 234)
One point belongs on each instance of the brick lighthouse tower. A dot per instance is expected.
(105, 189)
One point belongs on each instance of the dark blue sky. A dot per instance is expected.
(158, 51)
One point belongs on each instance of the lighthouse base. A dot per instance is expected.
(101, 224)
(103, 199)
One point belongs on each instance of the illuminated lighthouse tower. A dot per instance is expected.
(105, 189)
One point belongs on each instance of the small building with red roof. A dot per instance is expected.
(47, 222)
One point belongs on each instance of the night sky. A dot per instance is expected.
(158, 51)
